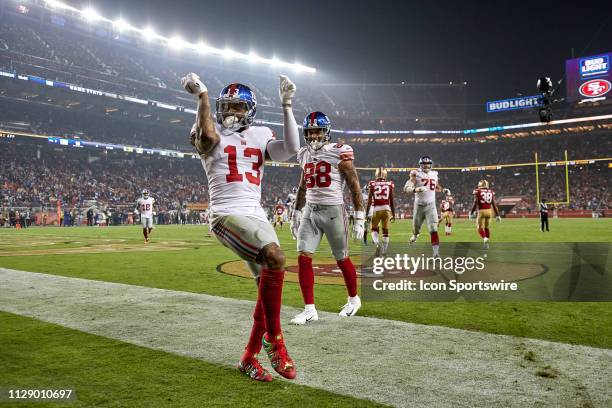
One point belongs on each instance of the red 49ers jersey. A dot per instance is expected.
(447, 205)
(324, 182)
(484, 197)
(234, 169)
(381, 191)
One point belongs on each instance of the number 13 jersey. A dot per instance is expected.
(234, 168)
(324, 182)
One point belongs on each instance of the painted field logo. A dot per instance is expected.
(595, 88)
(325, 273)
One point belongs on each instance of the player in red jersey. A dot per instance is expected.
(446, 209)
(380, 195)
(233, 152)
(279, 211)
(484, 201)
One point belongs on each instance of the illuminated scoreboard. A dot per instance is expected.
(589, 78)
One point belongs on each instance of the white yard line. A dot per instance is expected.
(396, 363)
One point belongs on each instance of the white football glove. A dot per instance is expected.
(286, 90)
(358, 227)
(192, 84)
(446, 191)
(420, 189)
(294, 225)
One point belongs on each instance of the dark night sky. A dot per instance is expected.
(500, 49)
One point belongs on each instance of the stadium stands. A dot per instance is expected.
(34, 174)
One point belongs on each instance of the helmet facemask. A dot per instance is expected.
(425, 167)
(425, 163)
(234, 113)
(317, 137)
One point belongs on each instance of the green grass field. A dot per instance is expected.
(108, 373)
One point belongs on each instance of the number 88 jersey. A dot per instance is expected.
(324, 182)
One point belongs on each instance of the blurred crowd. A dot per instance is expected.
(107, 183)
(136, 68)
(36, 176)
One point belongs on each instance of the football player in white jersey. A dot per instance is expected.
(319, 210)
(233, 152)
(424, 184)
(290, 201)
(144, 205)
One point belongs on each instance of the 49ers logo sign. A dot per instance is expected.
(595, 88)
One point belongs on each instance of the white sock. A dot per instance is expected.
(354, 299)
(310, 308)
(436, 249)
(385, 244)
(375, 237)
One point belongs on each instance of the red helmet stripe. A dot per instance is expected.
(313, 118)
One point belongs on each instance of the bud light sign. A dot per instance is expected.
(594, 66)
(524, 102)
(588, 78)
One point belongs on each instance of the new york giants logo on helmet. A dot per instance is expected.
(236, 107)
(425, 163)
(316, 121)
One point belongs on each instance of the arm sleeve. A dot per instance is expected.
(282, 150)
(409, 186)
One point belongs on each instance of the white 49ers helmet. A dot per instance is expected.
(483, 184)
(381, 173)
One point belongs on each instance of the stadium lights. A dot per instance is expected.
(54, 3)
(544, 85)
(92, 15)
(202, 47)
(253, 57)
(177, 43)
(229, 53)
(121, 24)
(149, 34)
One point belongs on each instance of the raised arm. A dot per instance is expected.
(204, 136)
(282, 150)
(410, 187)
